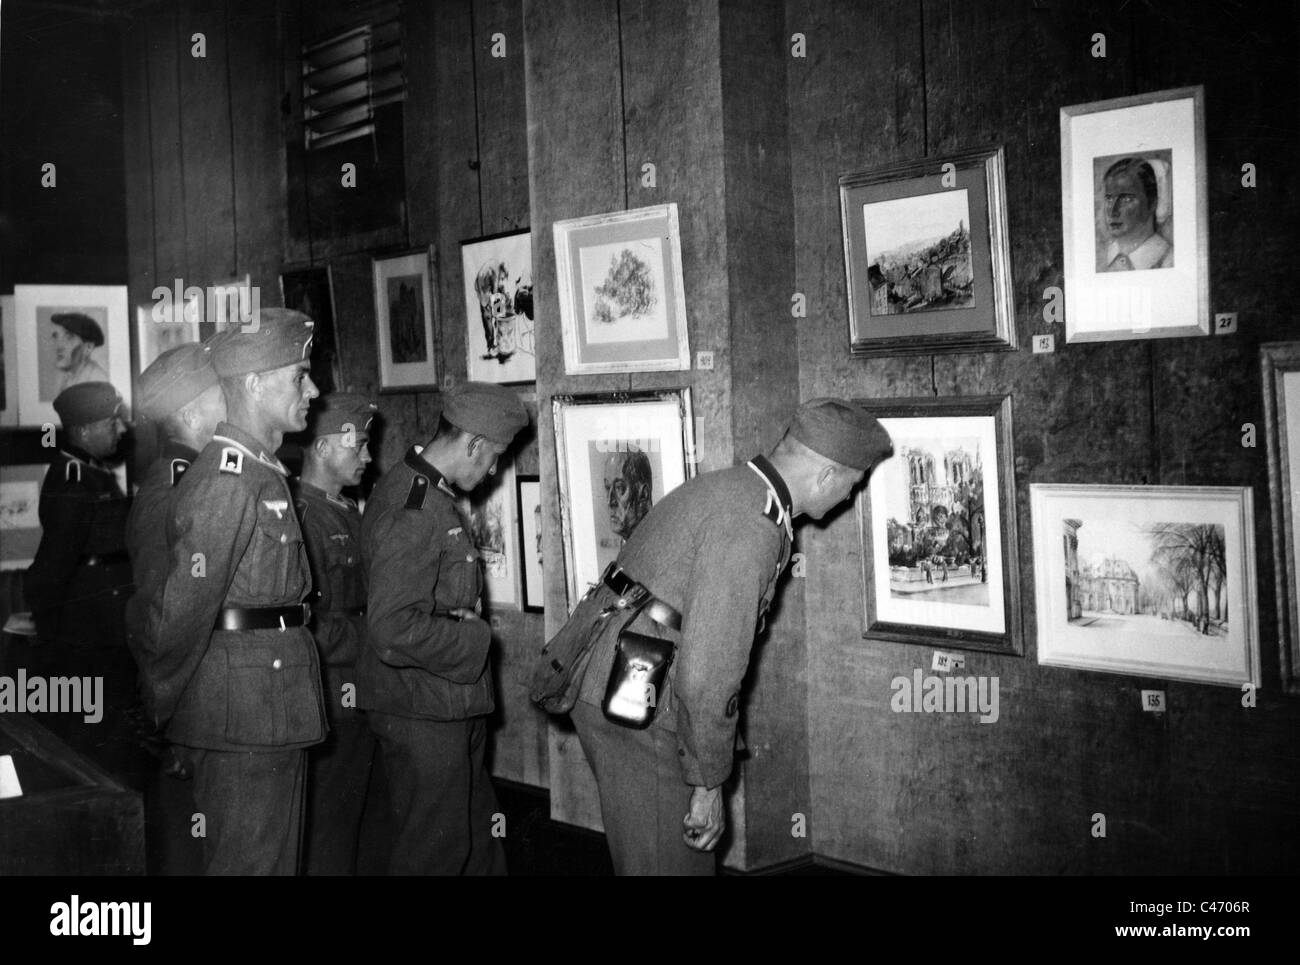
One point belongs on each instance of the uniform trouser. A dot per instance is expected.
(443, 805)
(338, 776)
(251, 802)
(642, 796)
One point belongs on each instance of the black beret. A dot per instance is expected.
(82, 326)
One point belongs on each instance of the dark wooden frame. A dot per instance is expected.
(1011, 639)
(520, 479)
(1275, 360)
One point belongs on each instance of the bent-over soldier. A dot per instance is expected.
(699, 572)
(236, 677)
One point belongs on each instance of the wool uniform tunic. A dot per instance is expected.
(248, 702)
(424, 675)
(713, 549)
(340, 767)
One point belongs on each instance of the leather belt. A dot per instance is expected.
(261, 617)
(105, 559)
(632, 591)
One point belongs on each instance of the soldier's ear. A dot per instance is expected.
(253, 384)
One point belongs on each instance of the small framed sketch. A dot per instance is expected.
(1133, 210)
(498, 273)
(622, 300)
(927, 256)
(490, 509)
(1280, 364)
(69, 334)
(404, 322)
(529, 490)
(8, 362)
(938, 527)
(20, 522)
(311, 291)
(618, 455)
(1152, 581)
(161, 326)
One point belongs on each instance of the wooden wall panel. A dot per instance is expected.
(161, 56)
(138, 185)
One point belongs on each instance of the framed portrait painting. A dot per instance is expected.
(404, 322)
(311, 291)
(490, 509)
(498, 279)
(8, 362)
(937, 523)
(618, 456)
(622, 300)
(529, 493)
(1280, 365)
(927, 256)
(1152, 581)
(161, 326)
(20, 522)
(1134, 215)
(67, 334)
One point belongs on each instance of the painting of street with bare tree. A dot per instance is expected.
(1148, 580)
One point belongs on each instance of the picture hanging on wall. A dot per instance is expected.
(498, 279)
(1134, 215)
(67, 334)
(311, 291)
(1280, 363)
(622, 300)
(161, 326)
(20, 521)
(1152, 581)
(937, 524)
(530, 542)
(490, 509)
(404, 322)
(927, 256)
(8, 362)
(618, 455)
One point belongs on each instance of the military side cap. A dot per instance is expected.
(175, 379)
(843, 431)
(485, 409)
(82, 326)
(87, 402)
(276, 337)
(341, 412)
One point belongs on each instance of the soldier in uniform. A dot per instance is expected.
(80, 579)
(700, 571)
(338, 771)
(424, 673)
(236, 677)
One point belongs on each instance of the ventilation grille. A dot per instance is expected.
(349, 76)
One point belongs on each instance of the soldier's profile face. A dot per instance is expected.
(287, 394)
(348, 456)
(482, 463)
(100, 438)
(838, 488)
(70, 350)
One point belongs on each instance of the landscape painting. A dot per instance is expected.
(919, 253)
(1153, 581)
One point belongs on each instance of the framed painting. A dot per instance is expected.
(1152, 581)
(927, 256)
(618, 455)
(1280, 365)
(490, 509)
(20, 522)
(160, 327)
(311, 291)
(8, 362)
(1134, 216)
(404, 322)
(622, 300)
(529, 500)
(937, 523)
(498, 279)
(67, 334)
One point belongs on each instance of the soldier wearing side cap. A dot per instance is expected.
(236, 675)
(700, 572)
(80, 578)
(424, 674)
(75, 337)
(338, 771)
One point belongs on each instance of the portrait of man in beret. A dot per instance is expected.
(71, 341)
